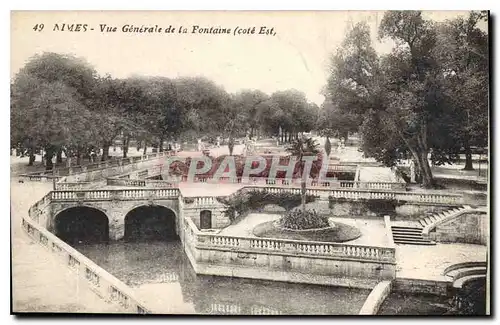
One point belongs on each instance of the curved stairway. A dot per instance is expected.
(462, 273)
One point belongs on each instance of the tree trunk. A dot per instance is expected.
(59, 156)
(49, 153)
(160, 145)
(328, 147)
(468, 156)
(32, 156)
(345, 135)
(125, 146)
(303, 191)
(425, 170)
(79, 156)
(230, 145)
(145, 148)
(251, 133)
(105, 151)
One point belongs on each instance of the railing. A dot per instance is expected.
(140, 183)
(262, 181)
(100, 195)
(99, 281)
(342, 168)
(67, 186)
(58, 173)
(202, 201)
(289, 247)
(325, 192)
(361, 194)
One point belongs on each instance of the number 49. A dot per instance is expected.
(38, 27)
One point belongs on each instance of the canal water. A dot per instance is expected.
(163, 278)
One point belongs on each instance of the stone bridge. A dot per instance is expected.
(114, 213)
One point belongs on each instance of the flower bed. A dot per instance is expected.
(337, 233)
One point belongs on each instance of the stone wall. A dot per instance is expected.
(376, 298)
(300, 269)
(219, 219)
(440, 288)
(469, 228)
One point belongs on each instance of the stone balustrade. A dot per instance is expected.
(67, 186)
(58, 173)
(324, 192)
(129, 194)
(288, 247)
(104, 284)
(361, 194)
(202, 201)
(125, 182)
(350, 168)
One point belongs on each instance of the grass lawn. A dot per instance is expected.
(340, 233)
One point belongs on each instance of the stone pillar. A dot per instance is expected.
(116, 225)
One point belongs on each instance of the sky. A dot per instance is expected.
(296, 57)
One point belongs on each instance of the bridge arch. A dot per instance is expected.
(81, 224)
(150, 222)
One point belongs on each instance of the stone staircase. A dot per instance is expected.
(411, 233)
(434, 218)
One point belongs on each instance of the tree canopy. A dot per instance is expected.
(409, 102)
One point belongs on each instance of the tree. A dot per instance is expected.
(400, 96)
(300, 148)
(290, 111)
(334, 122)
(203, 103)
(47, 114)
(413, 84)
(249, 104)
(48, 99)
(462, 52)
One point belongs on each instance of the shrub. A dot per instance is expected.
(245, 201)
(301, 220)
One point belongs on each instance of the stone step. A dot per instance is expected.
(464, 265)
(466, 271)
(407, 227)
(414, 242)
(407, 236)
(405, 232)
(460, 282)
(440, 216)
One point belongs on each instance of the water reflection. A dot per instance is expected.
(163, 277)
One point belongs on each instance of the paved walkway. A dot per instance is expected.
(429, 262)
(376, 174)
(372, 230)
(40, 282)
